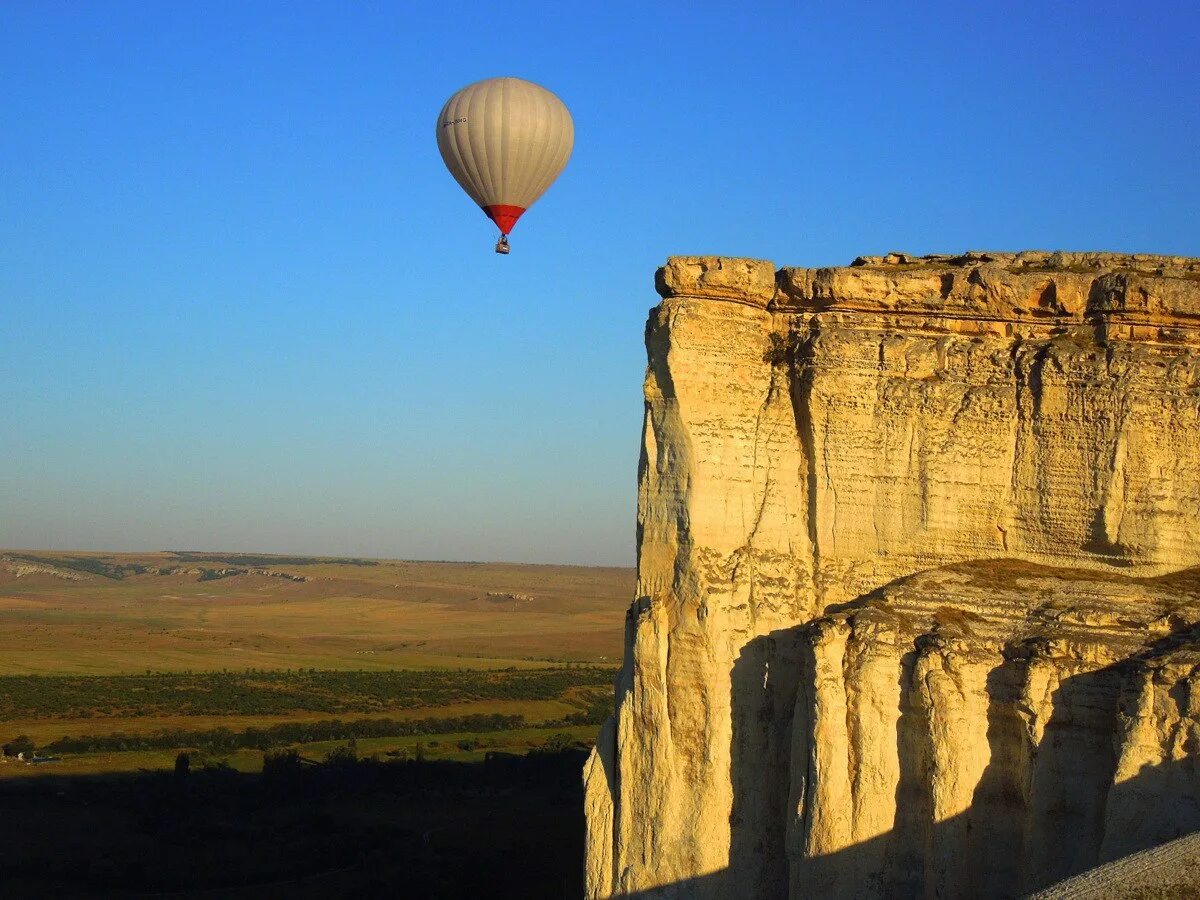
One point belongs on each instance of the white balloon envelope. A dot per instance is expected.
(505, 140)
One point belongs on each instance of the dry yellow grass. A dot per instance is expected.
(388, 615)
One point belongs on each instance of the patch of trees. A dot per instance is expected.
(252, 692)
(17, 746)
(225, 740)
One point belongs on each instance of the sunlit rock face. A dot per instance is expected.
(912, 617)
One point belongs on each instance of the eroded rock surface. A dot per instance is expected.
(912, 600)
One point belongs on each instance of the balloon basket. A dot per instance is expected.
(502, 245)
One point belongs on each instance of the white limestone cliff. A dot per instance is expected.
(907, 609)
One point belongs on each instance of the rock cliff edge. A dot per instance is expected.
(918, 611)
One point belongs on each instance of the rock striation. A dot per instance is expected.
(915, 612)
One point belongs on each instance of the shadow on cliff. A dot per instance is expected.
(1038, 814)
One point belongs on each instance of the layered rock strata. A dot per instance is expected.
(909, 606)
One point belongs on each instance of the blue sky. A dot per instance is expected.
(243, 306)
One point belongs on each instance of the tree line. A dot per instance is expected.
(225, 740)
(252, 692)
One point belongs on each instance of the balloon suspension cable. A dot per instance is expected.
(502, 244)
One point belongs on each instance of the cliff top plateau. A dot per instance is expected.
(1032, 286)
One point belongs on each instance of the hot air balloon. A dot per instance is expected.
(505, 140)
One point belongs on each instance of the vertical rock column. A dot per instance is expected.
(723, 561)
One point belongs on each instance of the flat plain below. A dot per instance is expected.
(103, 618)
(97, 614)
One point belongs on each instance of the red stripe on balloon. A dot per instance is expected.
(503, 215)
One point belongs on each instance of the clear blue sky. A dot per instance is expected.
(243, 307)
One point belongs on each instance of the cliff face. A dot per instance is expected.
(912, 617)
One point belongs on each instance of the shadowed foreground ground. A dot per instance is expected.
(1167, 872)
(507, 827)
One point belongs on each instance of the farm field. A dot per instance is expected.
(119, 661)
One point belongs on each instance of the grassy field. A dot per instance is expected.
(127, 653)
(115, 613)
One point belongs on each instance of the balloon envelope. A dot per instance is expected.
(505, 140)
